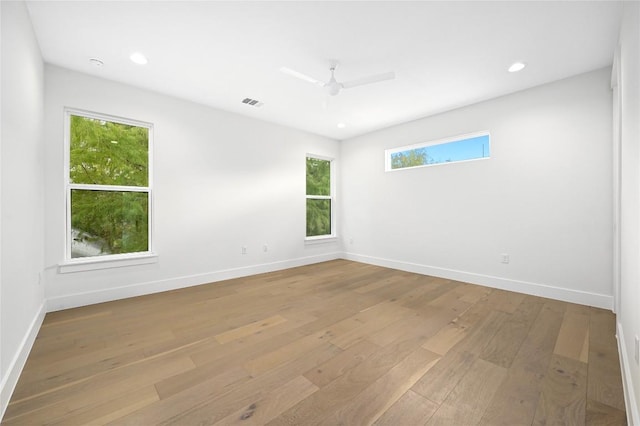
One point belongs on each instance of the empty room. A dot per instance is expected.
(320, 212)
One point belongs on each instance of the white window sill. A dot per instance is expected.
(320, 240)
(92, 264)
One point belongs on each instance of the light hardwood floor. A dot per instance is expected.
(334, 343)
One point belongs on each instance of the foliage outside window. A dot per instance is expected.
(450, 150)
(319, 198)
(108, 186)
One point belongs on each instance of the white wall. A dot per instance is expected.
(21, 194)
(544, 197)
(222, 181)
(629, 315)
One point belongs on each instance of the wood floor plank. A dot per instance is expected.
(218, 378)
(410, 409)
(438, 382)
(374, 319)
(247, 393)
(176, 404)
(481, 335)
(446, 338)
(458, 329)
(339, 392)
(452, 299)
(249, 329)
(365, 277)
(418, 286)
(425, 323)
(325, 373)
(516, 401)
(274, 403)
(573, 338)
(372, 402)
(505, 344)
(536, 350)
(334, 342)
(105, 412)
(436, 288)
(474, 293)
(564, 393)
(59, 318)
(335, 317)
(63, 373)
(210, 361)
(65, 399)
(506, 301)
(374, 285)
(468, 401)
(605, 379)
(287, 353)
(602, 326)
(208, 402)
(599, 414)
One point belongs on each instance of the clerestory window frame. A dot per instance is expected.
(440, 144)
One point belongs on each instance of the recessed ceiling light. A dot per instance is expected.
(517, 66)
(138, 58)
(96, 62)
(341, 125)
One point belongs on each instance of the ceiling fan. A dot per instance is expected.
(333, 87)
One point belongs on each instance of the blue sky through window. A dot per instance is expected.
(459, 150)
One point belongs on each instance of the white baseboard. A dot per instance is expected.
(535, 289)
(10, 380)
(107, 295)
(633, 414)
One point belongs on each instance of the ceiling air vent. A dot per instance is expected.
(252, 102)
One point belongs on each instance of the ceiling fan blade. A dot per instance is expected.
(368, 80)
(301, 76)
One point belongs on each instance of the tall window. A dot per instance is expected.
(320, 213)
(451, 150)
(108, 186)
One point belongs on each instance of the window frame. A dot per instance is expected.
(331, 197)
(70, 264)
(389, 152)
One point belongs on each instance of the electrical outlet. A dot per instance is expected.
(265, 248)
(244, 250)
(350, 240)
(637, 352)
(504, 258)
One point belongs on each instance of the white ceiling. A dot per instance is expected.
(445, 54)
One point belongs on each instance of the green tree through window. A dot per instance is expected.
(319, 197)
(108, 187)
(411, 158)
